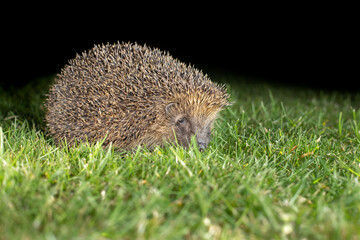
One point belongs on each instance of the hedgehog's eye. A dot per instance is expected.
(181, 121)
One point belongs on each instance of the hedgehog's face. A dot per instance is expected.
(185, 127)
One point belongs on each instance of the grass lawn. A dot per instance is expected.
(283, 163)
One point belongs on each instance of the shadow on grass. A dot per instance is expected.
(26, 102)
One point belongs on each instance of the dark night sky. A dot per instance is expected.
(316, 53)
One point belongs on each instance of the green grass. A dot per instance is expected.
(284, 163)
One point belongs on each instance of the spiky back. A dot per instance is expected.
(122, 90)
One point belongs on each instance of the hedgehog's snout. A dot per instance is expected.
(203, 137)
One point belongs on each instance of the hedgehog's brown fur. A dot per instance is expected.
(131, 94)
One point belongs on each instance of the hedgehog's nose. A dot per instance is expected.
(201, 146)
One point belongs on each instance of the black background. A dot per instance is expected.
(310, 48)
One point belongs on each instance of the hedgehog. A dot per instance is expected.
(132, 95)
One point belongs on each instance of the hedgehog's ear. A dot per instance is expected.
(169, 107)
